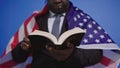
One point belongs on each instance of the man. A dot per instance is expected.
(51, 57)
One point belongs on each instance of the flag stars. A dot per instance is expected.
(88, 17)
(75, 19)
(89, 26)
(85, 40)
(84, 20)
(94, 22)
(81, 14)
(97, 40)
(102, 36)
(80, 24)
(109, 40)
(78, 16)
(76, 9)
(85, 29)
(95, 31)
(99, 28)
(106, 33)
(90, 36)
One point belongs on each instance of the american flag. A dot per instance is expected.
(95, 38)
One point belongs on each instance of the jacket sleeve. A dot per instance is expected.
(86, 57)
(19, 55)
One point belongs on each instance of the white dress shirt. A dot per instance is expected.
(51, 21)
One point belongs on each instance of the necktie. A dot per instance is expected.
(55, 28)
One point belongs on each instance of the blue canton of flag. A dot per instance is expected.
(95, 38)
(95, 33)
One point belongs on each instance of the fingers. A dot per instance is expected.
(49, 48)
(59, 54)
(26, 40)
(69, 45)
(25, 44)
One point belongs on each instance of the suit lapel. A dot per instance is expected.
(64, 26)
(43, 25)
(42, 22)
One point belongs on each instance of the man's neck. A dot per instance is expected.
(53, 14)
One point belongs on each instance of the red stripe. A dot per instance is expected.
(15, 41)
(44, 11)
(8, 64)
(28, 19)
(27, 66)
(26, 23)
(106, 61)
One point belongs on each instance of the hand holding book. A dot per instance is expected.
(61, 48)
(25, 44)
(39, 38)
(60, 54)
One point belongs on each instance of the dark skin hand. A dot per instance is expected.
(61, 54)
(58, 54)
(25, 44)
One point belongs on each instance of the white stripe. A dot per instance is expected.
(36, 12)
(8, 48)
(111, 55)
(21, 33)
(6, 58)
(29, 60)
(31, 25)
(100, 46)
(99, 65)
(90, 67)
(23, 65)
(20, 65)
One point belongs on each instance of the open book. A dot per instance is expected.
(74, 36)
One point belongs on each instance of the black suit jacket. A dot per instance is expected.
(79, 58)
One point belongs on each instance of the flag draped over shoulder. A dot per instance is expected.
(27, 27)
(95, 38)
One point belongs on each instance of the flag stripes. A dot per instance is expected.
(26, 28)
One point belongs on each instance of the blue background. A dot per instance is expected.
(14, 12)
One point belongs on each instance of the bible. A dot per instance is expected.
(39, 38)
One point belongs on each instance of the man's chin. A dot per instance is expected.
(59, 11)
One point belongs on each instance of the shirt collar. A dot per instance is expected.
(53, 14)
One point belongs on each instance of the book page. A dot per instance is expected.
(45, 34)
(62, 38)
(68, 33)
